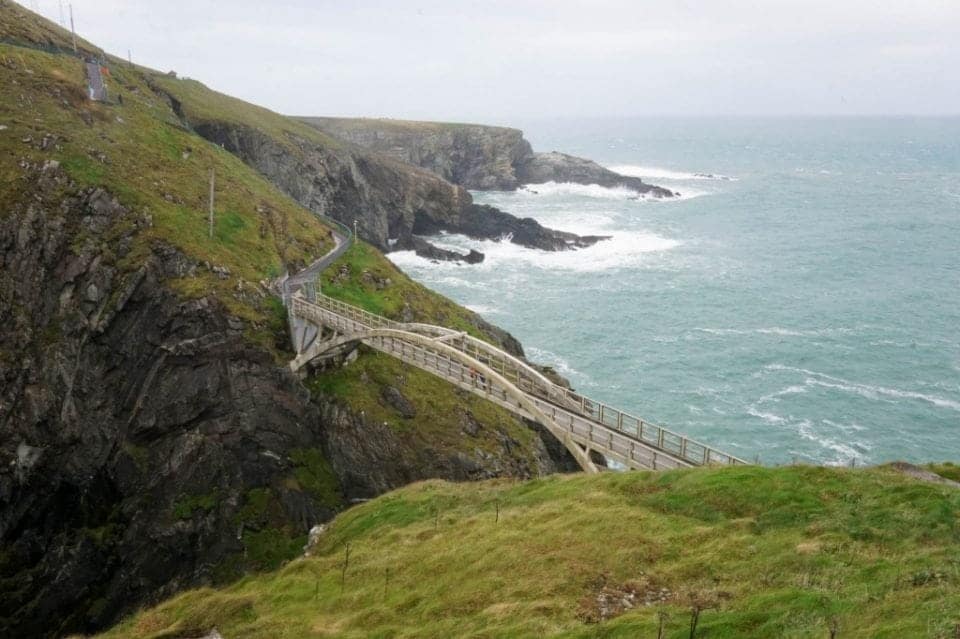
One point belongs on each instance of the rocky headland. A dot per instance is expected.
(475, 156)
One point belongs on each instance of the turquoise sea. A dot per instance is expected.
(801, 301)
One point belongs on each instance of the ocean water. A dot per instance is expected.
(801, 301)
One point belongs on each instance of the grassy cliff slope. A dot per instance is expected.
(785, 552)
(140, 153)
(158, 440)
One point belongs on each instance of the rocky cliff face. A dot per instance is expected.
(390, 201)
(384, 199)
(476, 156)
(473, 156)
(148, 445)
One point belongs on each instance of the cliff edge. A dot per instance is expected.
(476, 156)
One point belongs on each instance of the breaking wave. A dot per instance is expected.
(657, 173)
(622, 250)
(776, 330)
(868, 391)
(595, 191)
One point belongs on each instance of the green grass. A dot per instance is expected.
(779, 552)
(417, 127)
(201, 105)
(19, 25)
(184, 507)
(365, 266)
(946, 470)
(313, 474)
(440, 407)
(140, 153)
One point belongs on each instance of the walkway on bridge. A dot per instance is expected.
(582, 424)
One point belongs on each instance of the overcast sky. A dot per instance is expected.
(493, 61)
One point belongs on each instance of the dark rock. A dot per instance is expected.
(395, 399)
(560, 167)
(469, 424)
(427, 250)
(486, 222)
(370, 457)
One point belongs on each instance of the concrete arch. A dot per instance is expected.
(319, 347)
(539, 379)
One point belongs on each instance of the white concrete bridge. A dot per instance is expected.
(322, 325)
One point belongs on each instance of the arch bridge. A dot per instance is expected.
(582, 424)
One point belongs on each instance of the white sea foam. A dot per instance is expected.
(633, 170)
(768, 417)
(549, 358)
(847, 428)
(789, 390)
(582, 190)
(869, 391)
(623, 250)
(458, 282)
(845, 451)
(567, 189)
(483, 309)
(776, 330)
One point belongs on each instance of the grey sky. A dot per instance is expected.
(493, 61)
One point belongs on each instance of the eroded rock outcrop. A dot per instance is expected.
(476, 156)
(539, 168)
(389, 200)
(480, 221)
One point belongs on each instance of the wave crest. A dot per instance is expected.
(622, 250)
(633, 170)
(595, 191)
(868, 391)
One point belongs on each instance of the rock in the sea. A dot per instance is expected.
(560, 167)
(427, 250)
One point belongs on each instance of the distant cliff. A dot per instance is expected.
(471, 155)
(389, 199)
(475, 156)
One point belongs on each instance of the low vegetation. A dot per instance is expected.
(136, 148)
(435, 415)
(364, 277)
(745, 552)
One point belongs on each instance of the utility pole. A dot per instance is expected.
(211, 204)
(72, 30)
(129, 58)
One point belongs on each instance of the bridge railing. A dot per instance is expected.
(530, 381)
(665, 439)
